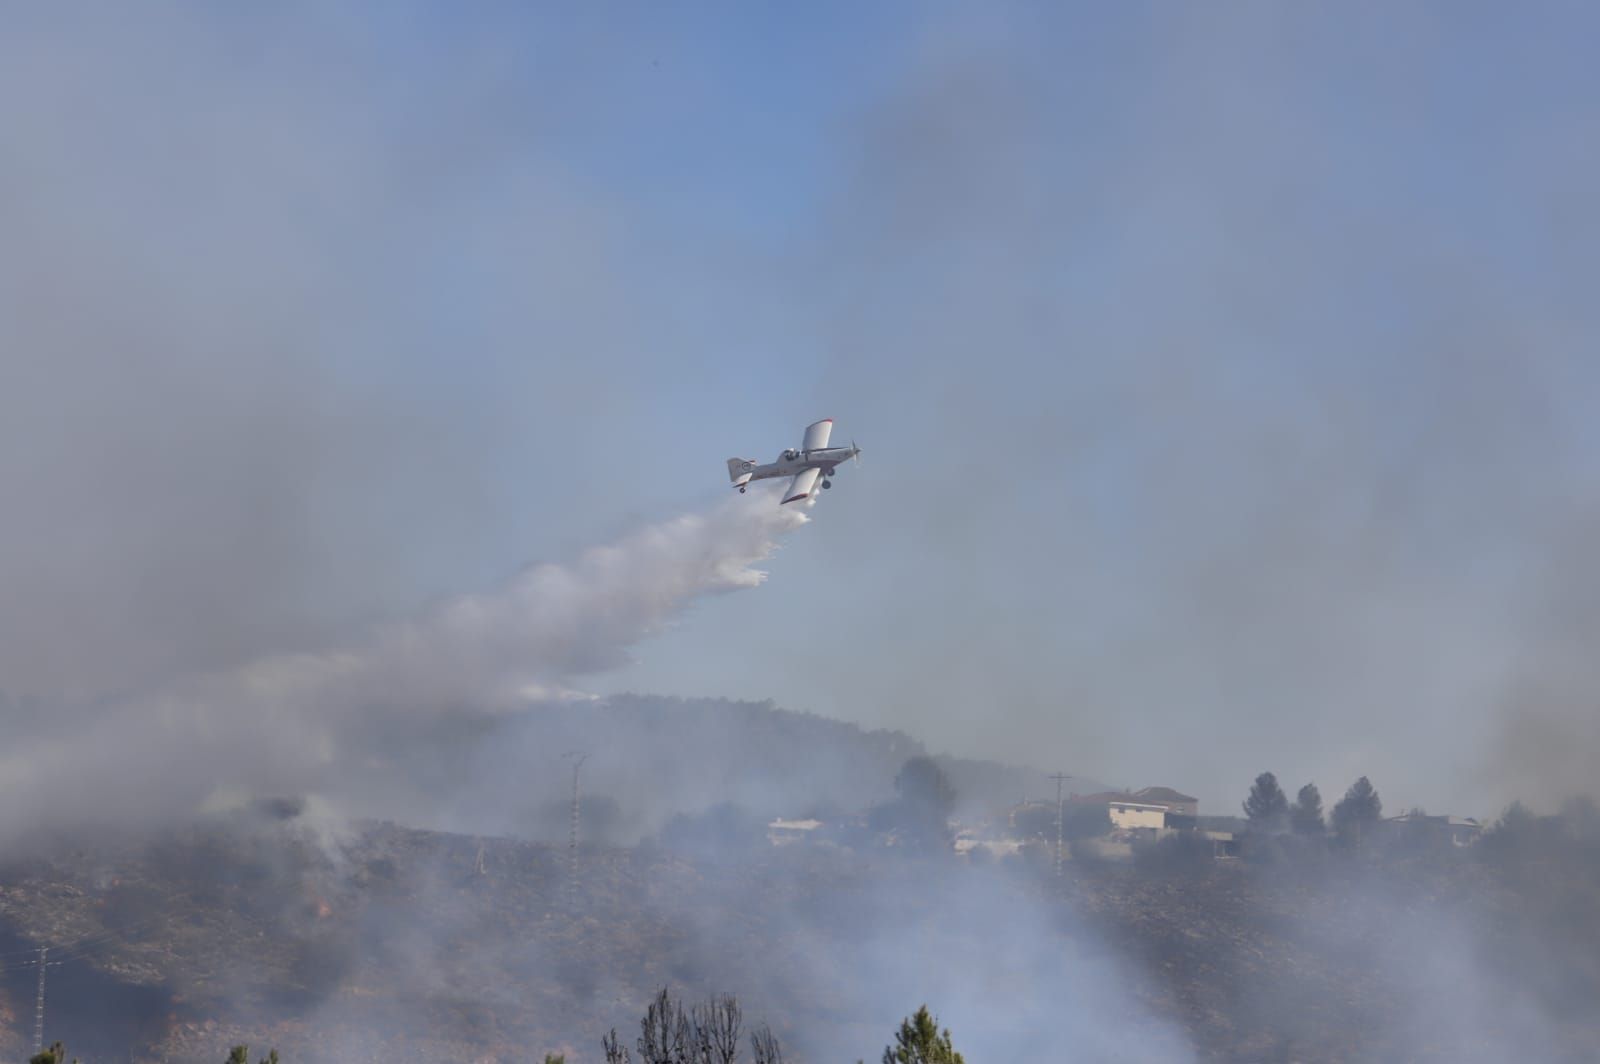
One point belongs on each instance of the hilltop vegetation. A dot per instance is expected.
(651, 758)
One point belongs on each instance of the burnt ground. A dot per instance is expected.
(397, 944)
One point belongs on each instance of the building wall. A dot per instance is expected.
(1126, 815)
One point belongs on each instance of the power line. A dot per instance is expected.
(21, 951)
(90, 944)
(95, 942)
(80, 948)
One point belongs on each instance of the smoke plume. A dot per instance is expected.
(324, 722)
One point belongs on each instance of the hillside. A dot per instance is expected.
(647, 759)
(390, 943)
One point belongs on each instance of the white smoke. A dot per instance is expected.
(321, 722)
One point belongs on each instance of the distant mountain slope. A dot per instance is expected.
(989, 787)
(647, 758)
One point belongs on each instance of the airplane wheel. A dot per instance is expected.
(741, 489)
(827, 483)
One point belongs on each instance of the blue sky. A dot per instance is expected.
(1223, 373)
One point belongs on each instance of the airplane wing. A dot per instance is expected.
(801, 485)
(817, 434)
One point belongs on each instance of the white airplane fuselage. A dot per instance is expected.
(793, 461)
(805, 465)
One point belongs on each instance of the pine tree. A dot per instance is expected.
(1305, 816)
(241, 1055)
(919, 1041)
(925, 802)
(1357, 811)
(1267, 806)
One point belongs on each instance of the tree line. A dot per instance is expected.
(57, 1054)
(1269, 811)
(709, 1033)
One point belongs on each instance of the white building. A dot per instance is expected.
(1128, 815)
(1154, 807)
(966, 842)
(786, 832)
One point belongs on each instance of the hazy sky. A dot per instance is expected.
(1224, 374)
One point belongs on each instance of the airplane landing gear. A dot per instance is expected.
(827, 483)
(741, 489)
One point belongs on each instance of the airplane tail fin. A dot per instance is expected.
(739, 470)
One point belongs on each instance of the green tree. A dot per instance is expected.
(921, 812)
(1267, 807)
(56, 1054)
(555, 1058)
(922, 783)
(241, 1055)
(919, 1041)
(1305, 816)
(1580, 818)
(1079, 820)
(1357, 812)
(1515, 834)
(1517, 820)
(1085, 820)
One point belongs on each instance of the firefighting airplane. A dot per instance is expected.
(814, 459)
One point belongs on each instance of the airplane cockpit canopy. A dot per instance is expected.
(791, 454)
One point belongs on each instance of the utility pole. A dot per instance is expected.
(572, 842)
(1060, 778)
(38, 1008)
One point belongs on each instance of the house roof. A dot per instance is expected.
(1103, 797)
(1117, 797)
(1163, 794)
(1441, 818)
